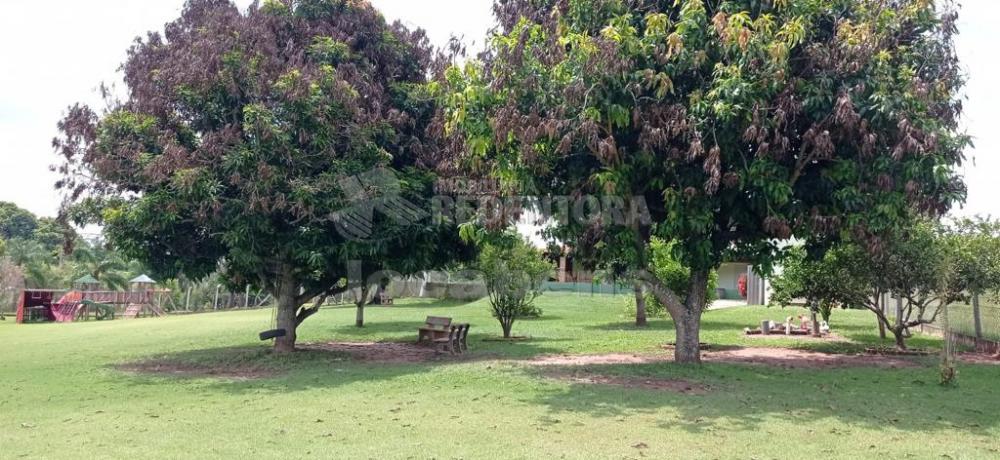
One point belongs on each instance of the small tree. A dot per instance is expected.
(975, 246)
(910, 265)
(823, 282)
(514, 272)
(670, 271)
(917, 266)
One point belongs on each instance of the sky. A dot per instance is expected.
(54, 53)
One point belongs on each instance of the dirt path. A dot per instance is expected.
(379, 352)
(778, 357)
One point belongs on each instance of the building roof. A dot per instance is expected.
(87, 279)
(143, 279)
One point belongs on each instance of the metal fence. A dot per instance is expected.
(975, 324)
(982, 321)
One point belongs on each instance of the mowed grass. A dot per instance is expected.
(62, 396)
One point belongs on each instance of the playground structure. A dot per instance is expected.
(85, 302)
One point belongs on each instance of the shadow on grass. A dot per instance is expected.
(257, 368)
(743, 397)
(855, 338)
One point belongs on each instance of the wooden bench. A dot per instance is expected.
(435, 327)
(456, 342)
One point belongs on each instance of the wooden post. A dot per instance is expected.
(215, 305)
(246, 298)
(976, 316)
(187, 300)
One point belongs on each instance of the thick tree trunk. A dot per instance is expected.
(687, 322)
(288, 306)
(688, 327)
(900, 334)
(640, 306)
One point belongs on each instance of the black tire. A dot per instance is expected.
(272, 334)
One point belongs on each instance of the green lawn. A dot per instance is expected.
(61, 395)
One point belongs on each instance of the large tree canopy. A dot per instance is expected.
(276, 144)
(740, 123)
(16, 222)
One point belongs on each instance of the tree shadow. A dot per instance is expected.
(744, 397)
(253, 369)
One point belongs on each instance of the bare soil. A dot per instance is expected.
(777, 357)
(979, 358)
(831, 337)
(405, 353)
(379, 352)
(802, 359)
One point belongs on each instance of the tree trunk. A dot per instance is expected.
(359, 319)
(688, 349)
(286, 317)
(900, 335)
(507, 326)
(640, 306)
(815, 324)
(687, 322)
(881, 326)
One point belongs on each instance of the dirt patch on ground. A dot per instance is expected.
(380, 352)
(672, 385)
(777, 357)
(588, 360)
(802, 359)
(979, 358)
(177, 369)
(805, 338)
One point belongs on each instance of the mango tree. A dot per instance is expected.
(273, 145)
(735, 123)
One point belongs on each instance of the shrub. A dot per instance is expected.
(675, 275)
(514, 272)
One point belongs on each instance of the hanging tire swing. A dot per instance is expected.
(273, 333)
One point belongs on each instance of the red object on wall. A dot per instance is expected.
(741, 285)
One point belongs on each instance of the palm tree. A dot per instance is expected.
(107, 267)
(34, 259)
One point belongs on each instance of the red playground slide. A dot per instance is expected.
(67, 308)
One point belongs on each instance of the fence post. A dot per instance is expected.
(976, 316)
